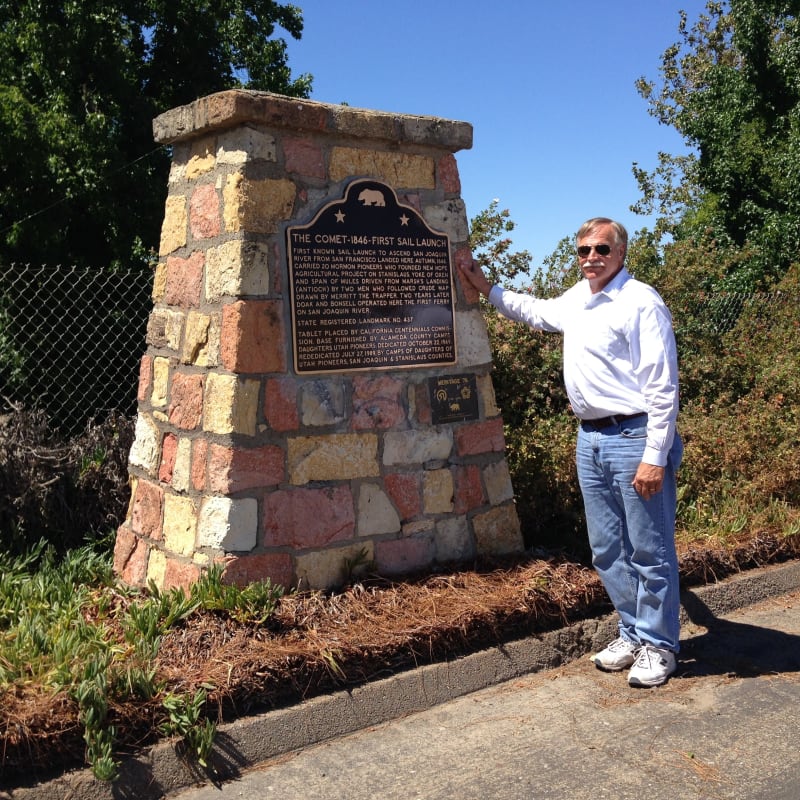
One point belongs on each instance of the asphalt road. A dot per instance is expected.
(725, 727)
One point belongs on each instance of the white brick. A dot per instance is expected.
(227, 524)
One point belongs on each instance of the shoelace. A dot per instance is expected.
(644, 656)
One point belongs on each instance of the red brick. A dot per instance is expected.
(276, 272)
(280, 404)
(447, 169)
(185, 280)
(204, 216)
(463, 258)
(146, 510)
(481, 437)
(236, 469)
(422, 402)
(241, 570)
(377, 403)
(145, 378)
(304, 158)
(180, 574)
(468, 489)
(169, 450)
(199, 456)
(253, 337)
(303, 518)
(130, 557)
(401, 556)
(186, 400)
(405, 491)
(412, 199)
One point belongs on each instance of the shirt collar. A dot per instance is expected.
(611, 289)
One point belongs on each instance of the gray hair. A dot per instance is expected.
(594, 222)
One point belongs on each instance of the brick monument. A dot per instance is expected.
(315, 396)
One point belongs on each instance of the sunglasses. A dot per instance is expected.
(600, 249)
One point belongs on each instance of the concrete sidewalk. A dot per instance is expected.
(533, 719)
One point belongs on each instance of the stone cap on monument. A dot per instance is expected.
(238, 106)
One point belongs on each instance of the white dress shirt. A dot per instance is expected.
(619, 351)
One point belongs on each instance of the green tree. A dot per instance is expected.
(81, 180)
(731, 88)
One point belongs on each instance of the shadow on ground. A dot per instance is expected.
(733, 648)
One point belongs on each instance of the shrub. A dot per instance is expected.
(541, 459)
(63, 491)
(742, 456)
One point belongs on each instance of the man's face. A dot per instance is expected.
(598, 268)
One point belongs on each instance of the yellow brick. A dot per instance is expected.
(239, 145)
(341, 456)
(472, 340)
(146, 450)
(437, 491)
(181, 472)
(158, 396)
(133, 483)
(156, 568)
(497, 480)
(174, 328)
(327, 569)
(174, 229)
(201, 340)
(230, 405)
(256, 206)
(180, 524)
(486, 391)
(402, 170)
(236, 269)
(227, 524)
(160, 282)
(202, 159)
(497, 532)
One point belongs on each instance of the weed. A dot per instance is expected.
(330, 658)
(359, 562)
(255, 603)
(146, 620)
(91, 695)
(185, 719)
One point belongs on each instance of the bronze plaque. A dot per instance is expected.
(371, 286)
(454, 398)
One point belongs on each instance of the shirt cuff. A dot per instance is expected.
(657, 458)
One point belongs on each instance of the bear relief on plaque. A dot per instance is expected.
(371, 286)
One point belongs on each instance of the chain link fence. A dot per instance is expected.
(716, 314)
(71, 340)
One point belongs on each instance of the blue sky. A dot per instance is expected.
(549, 88)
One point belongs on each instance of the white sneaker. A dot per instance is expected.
(652, 667)
(619, 654)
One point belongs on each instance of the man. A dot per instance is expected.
(621, 375)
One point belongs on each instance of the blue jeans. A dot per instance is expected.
(632, 539)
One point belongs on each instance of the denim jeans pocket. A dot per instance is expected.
(633, 431)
